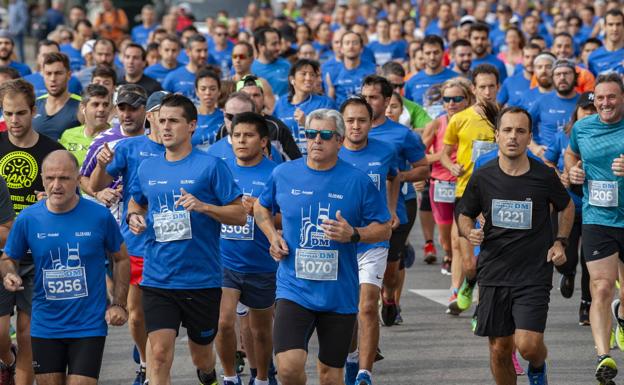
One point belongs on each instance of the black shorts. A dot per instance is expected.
(601, 241)
(197, 310)
(77, 356)
(456, 208)
(257, 290)
(425, 201)
(401, 233)
(503, 309)
(294, 325)
(21, 299)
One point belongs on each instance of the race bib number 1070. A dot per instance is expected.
(316, 265)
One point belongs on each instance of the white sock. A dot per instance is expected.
(261, 382)
(233, 379)
(353, 357)
(143, 364)
(366, 372)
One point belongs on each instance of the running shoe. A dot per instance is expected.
(363, 379)
(12, 331)
(409, 255)
(537, 378)
(7, 372)
(584, 313)
(473, 323)
(606, 369)
(398, 320)
(136, 356)
(240, 362)
(566, 285)
(237, 382)
(464, 299)
(619, 332)
(430, 253)
(351, 371)
(209, 378)
(140, 376)
(388, 312)
(445, 268)
(517, 367)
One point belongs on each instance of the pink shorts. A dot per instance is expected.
(442, 212)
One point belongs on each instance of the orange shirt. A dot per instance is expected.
(112, 25)
(585, 80)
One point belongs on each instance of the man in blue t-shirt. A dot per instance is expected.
(140, 33)
(480, 42)
(268, 64)
(221, 49)
(514, 87)
(180, 201)
(182, 80)
(379, 161)
(383, 48)
(327, 208)
(594, 159)
(542, 67)
(248, 269)
(69, 238)
(6, 53)
(607, 57)
(168, 50)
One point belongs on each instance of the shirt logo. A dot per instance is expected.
(41, 235)
(19, 169)
(82, 233)
(187, 181)
(299, 192)
(371, 164)
(335, 196)
(312, 234)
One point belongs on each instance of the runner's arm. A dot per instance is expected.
(121, 275)
(99, 179)
(419, 171)
(264, 220)
(566, 220)
(231, 214)
(445, 157)
(375, 232)
(393, 186)
(7, 265)
(570, 159)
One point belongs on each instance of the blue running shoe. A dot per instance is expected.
(351, 371)
(409, 255)
(136, 356)
(272, 374)
(363, 379)
(140, 376)
(537, 378)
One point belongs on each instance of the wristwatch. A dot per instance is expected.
(562, 240)
(355, 237)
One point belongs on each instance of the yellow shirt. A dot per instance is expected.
(474, 136)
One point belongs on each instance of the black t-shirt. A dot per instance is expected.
(517, 227)
(150, 85)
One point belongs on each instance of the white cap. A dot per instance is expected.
(87, 47)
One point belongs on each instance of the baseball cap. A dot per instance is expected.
(585, 100)
(87, 47)
(247, 81)
(131, 94)
(564, 63)
(468, 19)
(155, 100)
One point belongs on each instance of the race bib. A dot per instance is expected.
(65, 284)
(603, 193)
(443, 192)
(516, 215)
(376, 178)
(316, 265)
(434, 110)
(480, 147)
(239, 233)
(172, 226)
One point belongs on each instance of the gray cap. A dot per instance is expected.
(155, 100)
(131, 94)
(5, 34)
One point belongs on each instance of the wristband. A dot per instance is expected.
(119, 305)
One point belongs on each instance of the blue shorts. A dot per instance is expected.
(257, 290)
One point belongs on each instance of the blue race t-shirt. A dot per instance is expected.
(36, 79)
(245, 248)
(387, 52)
(513, 90)
(349, 82)
(550, 114)
(140, 34)
(158, 72)
(530, 97)
(601, 60)
(417, 85)
(181, 81)
(207, 127)
(22, 68)
(129, 154)
(555, 154)
(598, 144)
(320, 274)
(222, 148)
(53, 126)
(285, 111)
(276, 73)
(223, 58)
(379, 161)
(76, 61)
(492, 60)
(182, 248)
(69, 252)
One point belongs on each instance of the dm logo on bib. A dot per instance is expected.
(19, 169)
(312, 234)
(65, 280)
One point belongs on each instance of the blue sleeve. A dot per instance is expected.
(554, 149)
(222, 182)
(168, 83)
(394, 165)
(267, 197)
(374, 208)
(414, 147)
(276, 156)
(408, 90)
(118, 165)
(112, 238)
(135, 190)
(17, 244)
(74, 86)
(503, 71)
(503, 94)
(592, 65)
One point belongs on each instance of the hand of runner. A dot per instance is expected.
(279, 248)
(420, 185)
(40, 195)
(116, 315)
(618, 166)
(137, 224)
(475, 236)
(395, 221)
(12, 282)
(556, 254)
(337, 230)
(577, 174)
(108, 196)
(248, 204)
(564, 177)
(457, 170)
(188, 201)
(105, 156)
(299, 116)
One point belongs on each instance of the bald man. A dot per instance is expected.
(69, 237)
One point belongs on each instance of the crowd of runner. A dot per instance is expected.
(255, 181)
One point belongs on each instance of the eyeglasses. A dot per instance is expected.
(455, 99)
(397, 85)
(239, 57)
(325, 134)
(228, 116)
(220, 34)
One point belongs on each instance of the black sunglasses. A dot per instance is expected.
(325, 134)
(456, 99)
(397, 85)
(228, 116)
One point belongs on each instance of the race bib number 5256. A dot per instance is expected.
(65, 283)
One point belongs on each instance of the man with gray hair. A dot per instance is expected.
(328, 207)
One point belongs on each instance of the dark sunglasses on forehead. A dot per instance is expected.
(239, 57)
(325, 134)
(228, 116)
(456, 99)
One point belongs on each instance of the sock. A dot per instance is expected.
(364, 371)
(454, 290)
(143, 364)
(471, 281)
(253, 372)
(353, 357)
(428, 241)
(260, 382)
(207, 378)
(231, 379)
(533, 369)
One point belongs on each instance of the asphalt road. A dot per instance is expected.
(429, 348)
